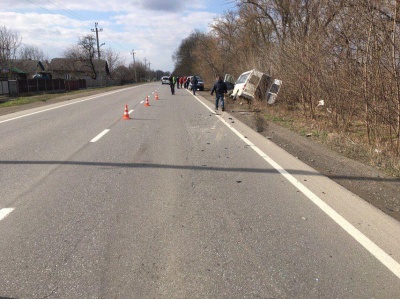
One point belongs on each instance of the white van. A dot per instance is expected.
(251, 84)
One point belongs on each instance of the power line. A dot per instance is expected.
(75, 15)
(72, 13)
(113, 40)
(39, 6)
(36, 33)
(83, 19)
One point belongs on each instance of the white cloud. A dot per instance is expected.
(153, 28)
(105, 6)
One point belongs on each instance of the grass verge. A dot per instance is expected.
(28, 99)
(352, 143)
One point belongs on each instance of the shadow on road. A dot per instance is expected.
(199, 168)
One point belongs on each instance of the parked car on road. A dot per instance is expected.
(164, 80)
(200, 83)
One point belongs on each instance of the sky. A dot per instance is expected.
(154, 29)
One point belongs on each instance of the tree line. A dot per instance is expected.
(343, 54)
(11, 48)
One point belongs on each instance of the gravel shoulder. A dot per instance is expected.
(365, 181)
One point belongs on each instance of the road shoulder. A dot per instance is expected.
(367, 182)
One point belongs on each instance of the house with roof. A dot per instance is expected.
(27, 69)
(74, 69)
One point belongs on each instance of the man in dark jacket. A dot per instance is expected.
(194, 84)
(220, 89)
(172, 83)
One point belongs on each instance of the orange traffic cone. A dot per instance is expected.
(156, 97)
(126, 113)
(147, 101)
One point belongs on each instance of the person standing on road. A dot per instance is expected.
(180, 82)
(220, 88)
(194, 84)
(172, 83)
(177, 81)
(187, 82)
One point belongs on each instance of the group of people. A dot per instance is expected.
(220, 88)
(182, 82)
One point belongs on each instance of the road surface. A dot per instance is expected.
(176, 202)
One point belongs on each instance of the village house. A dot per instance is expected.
(74, 69)
(28, 69)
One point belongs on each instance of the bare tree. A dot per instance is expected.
(83, 56)
(141, 70)
(123, 73)
(113, 60)
(9, 43)
(210, 59)
(184, 56)
(31, 52)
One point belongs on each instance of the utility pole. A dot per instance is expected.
(145, 67)
(134, 64)
(97, 39)
(149, 70)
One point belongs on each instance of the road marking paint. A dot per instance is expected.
(141, 102)
(369, 245)
(68, 104)
(5, 212)
(100, 135)
(130, 111)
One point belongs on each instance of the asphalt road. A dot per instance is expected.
(176, 202)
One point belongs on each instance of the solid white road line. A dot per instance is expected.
(70, 103)
(5, 212)
(100, 135)
(372, 248)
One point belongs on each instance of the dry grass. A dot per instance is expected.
(352, 142)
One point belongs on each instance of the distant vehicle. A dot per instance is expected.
(42, 76)
(200, 83)
(251, 84)
(273, 91)
(164, 80)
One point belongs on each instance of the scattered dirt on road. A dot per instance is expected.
(365, 181)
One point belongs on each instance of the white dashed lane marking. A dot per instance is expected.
(100, 135)
(5, 212)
